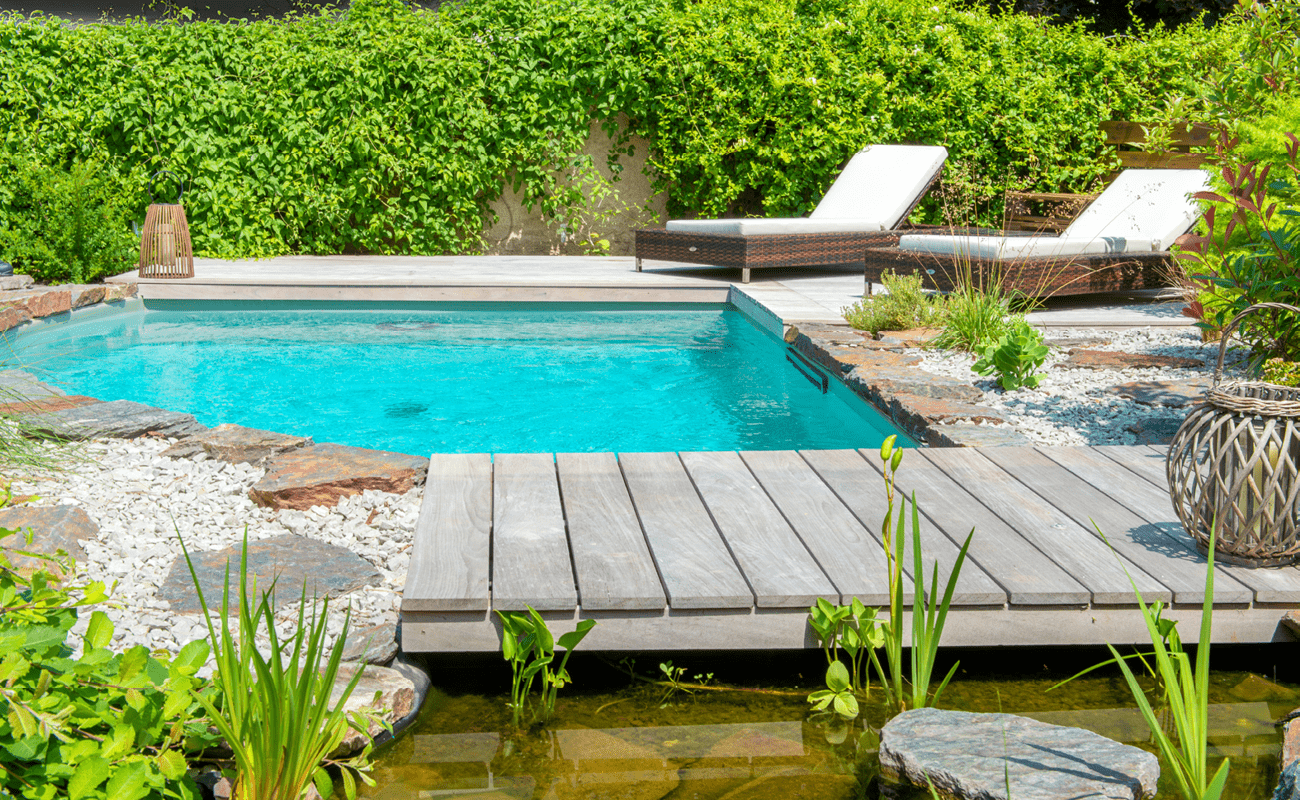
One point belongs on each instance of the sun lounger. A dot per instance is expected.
(1120, 242)
(875, 192)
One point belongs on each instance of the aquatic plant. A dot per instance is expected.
(1186, 693)
(929, 611)
(527, 643)
(838, 693)
(275, 712)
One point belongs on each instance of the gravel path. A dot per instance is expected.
(141, 500)
(1075, 406)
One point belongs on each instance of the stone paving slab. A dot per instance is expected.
(1175, 394)
(238, 445)
(117, 419)
(321, 474)
(11, 283)
(53, 528)
(290, 562)
(1117, 360)
(45, 405)
(25, 384)
(968, 755)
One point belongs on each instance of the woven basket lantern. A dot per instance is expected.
(165, 249)
(1235, 462)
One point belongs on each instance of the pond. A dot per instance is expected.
(637, 740)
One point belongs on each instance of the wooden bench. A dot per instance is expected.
(1052, 212)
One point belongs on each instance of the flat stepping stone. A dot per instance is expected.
(17, 383)
(1174, 394)
(53, 528)
(117, 419)
(289, 561)
(322, 474)
(236, 444)
(45, 405)
(1107, 359)
(1156, 430)
(969, 755)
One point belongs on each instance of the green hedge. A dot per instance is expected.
(385, 130)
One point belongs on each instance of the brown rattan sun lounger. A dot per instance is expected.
(1119, 243)
(875, 192)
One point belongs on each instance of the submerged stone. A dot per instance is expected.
(290, 562)
(322, 474)
(117, 419)
(968, 755)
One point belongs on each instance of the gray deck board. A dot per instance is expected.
(850, 556)
(697, 569)
(531, 565)
(708, 551)
(860, 487)
(452, 573)
(610, 556)
(1076, 549)
(1029, 576)
(1130, 534)
(780, 570)
(1271, 585)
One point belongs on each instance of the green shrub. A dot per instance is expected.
(905, 305)
(1014, 358)
(64, 224)
(97, 725)
(1280, 372)
(391, 130)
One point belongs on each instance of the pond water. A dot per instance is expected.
(421, 378)
(759, 742)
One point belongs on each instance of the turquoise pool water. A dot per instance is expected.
(419, 379)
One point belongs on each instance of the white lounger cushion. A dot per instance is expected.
(1142, 211)
(759, 225)
(999, 247)
(873, 193)
(1144, 204)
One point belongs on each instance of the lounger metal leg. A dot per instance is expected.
(744, 275)
(638, 263)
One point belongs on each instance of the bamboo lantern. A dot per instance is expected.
(165, 249)
(1235, 462)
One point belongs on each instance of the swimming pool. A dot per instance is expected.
(461, 377)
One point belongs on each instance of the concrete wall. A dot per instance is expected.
(620, 208)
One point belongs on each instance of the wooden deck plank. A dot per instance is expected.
(450, 560)
(610, 557)
(850, 556)
(859, 486)
(1130, 534)
(530, 552)
(698, 570)
(780, 570)
(1076, 549)
(1030, 578)
(1271, 585)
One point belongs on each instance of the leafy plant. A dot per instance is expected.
(930, 611)
(98, 725)
(65, 224)
(838, 694)
(527, 643)
(1186, 692)
(1281, 372)
(274, 712)
(853, 627)
(904, 305)
(1015, 358)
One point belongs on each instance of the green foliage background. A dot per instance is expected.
(387, 130)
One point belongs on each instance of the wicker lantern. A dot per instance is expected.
(1235, 462)
(165, 250)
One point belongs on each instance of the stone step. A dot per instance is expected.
(321, 474)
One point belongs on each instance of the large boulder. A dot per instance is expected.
(968, 755)
(322, 474)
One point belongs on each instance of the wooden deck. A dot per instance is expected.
(723, 550)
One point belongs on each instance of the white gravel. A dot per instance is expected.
(140, 500)
(1075, 406)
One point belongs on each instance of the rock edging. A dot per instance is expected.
(932, 409)
(21, 301)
